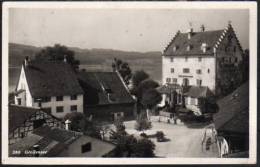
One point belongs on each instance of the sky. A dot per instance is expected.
(122, 29)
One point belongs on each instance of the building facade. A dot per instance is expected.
(206, 58)
(23, 120)
(51, 86)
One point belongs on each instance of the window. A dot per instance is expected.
(236, 60)
(175, 48)
(73, 97)
(189, 47)
(46, 99)
(235, 48)
(168, 80)
(186, 59)
(59, 109)
(174, 80)
(19, 101)
(86, 147)
(172, 59)
(198, 71)
(223, 59)
(208, 70)
(47, 110)
(199, 82)
(186, 70)
(185, 81)
(172, 70)
(199, 59)
(22, 135)
(59, 98)
(73, 108)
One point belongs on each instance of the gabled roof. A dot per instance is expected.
(181, 41)
(18, 115)
(199, 92)
(233, 115)
(51, 79)
(104, 88)
(167, 89)
(56, 140)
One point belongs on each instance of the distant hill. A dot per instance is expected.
(91, 59)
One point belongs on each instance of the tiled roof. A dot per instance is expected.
(51, 79)
(56, 141)
(169, 88)
(18, 115)
(233, 115)
(181, 41)
(199, 91)
(57, 134)
(97, 86)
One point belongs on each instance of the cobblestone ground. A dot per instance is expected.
(183, 141)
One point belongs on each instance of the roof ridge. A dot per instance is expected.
(29, 107)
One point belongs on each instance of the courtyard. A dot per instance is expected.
(182, 140)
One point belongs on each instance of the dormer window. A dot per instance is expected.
(175, 48)
(189, 47)
(204, 47)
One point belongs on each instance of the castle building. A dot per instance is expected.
(207, 59)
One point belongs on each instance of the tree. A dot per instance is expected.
(58, 53)
(76, 118)
(142, 123)
(150, 99)
(143, 148)
(138, 77)
(81, 124)
(123, 69)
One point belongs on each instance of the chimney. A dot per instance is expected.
(36, 148)
(26, 61)
(67, 124)
(204, 47)
(190, 32)
(65, 59)
(202, 28)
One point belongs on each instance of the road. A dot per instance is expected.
(183, 141)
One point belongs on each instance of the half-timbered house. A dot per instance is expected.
(23, 120)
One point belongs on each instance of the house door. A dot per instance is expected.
(185, 82)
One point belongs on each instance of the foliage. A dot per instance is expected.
(58, 53)
(129, 146)
(143, 148)
(76, 118)
(81, 124)
(151, 98)
(123, 69)
(160, 136)
(138, 77)
(141, 84)
(142, 123)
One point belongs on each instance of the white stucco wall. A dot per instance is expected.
(66, 103)
(27, 99)
(208, 79)
(22, 84)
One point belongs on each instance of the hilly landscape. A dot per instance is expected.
(90, 59)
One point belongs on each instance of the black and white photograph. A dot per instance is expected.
(129, 82)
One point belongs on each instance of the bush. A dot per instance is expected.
(160, 136)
